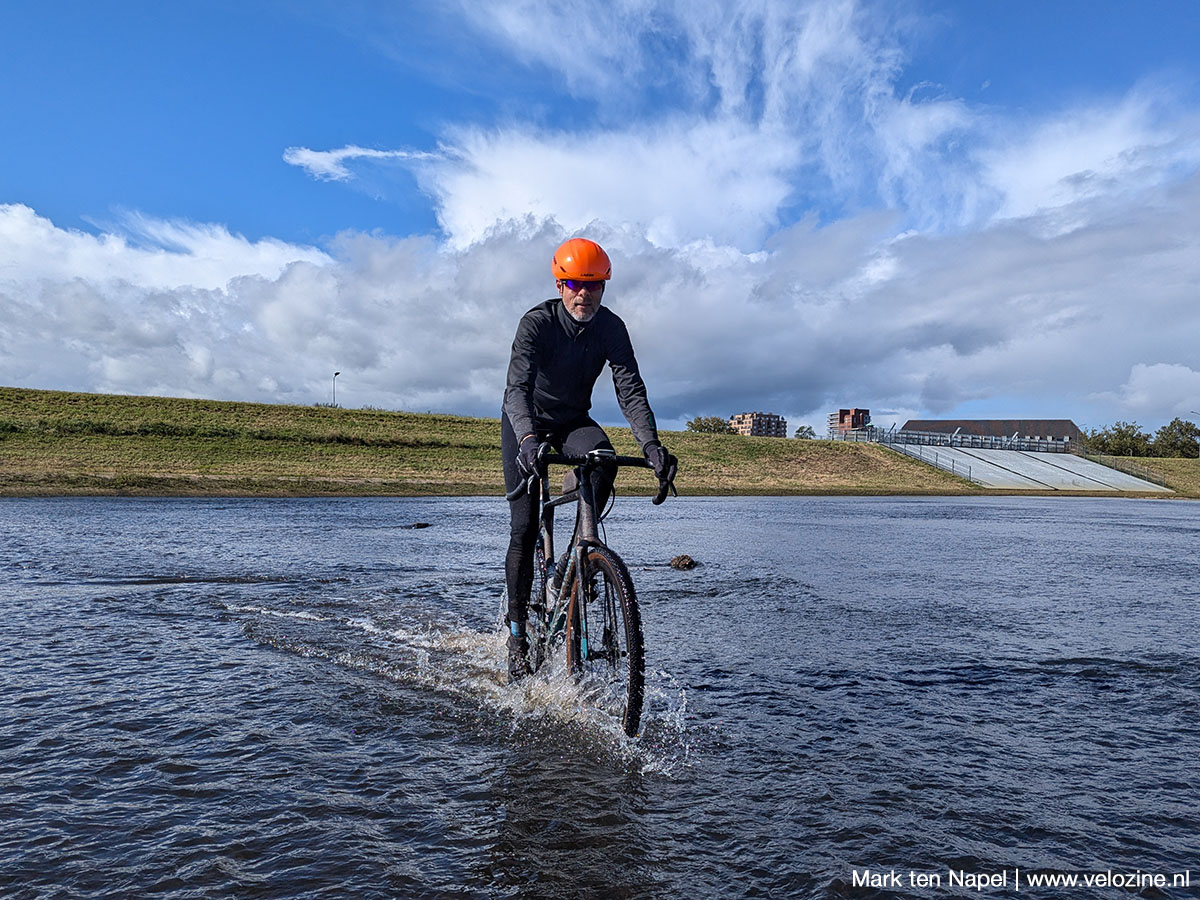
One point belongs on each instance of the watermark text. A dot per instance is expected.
(1017, 879)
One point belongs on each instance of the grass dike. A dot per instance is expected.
(60, 443)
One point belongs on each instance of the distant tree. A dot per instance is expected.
(805, 433)
(710, 425)
(1177, 438)
(1119, 439)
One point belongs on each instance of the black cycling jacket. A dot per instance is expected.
(554, 366)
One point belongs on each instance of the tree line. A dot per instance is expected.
(1178, 437)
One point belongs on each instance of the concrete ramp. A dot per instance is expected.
(1029, 470)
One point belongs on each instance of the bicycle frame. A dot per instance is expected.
(585, 534)
(608, 652)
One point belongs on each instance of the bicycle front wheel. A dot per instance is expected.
(538, 619)
(604, 637)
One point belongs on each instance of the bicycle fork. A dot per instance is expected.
(583, 582)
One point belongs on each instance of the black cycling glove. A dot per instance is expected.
(664, 464)
(527, 456)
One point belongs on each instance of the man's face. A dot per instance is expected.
(581, 298)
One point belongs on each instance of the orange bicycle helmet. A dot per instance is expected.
(582, 259)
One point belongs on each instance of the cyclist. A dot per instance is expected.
(560, 348)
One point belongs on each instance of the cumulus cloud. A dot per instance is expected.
(1011, 318)
(1157, 391)
(154, 253)
(944, 259)
(675, 182)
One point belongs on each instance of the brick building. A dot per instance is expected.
(760, 424)
(848, 420)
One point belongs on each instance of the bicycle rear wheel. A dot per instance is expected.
(604, 637)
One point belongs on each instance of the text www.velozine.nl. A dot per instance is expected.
(1017, 879)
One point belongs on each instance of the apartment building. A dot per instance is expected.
(760, 424)
(848, 420)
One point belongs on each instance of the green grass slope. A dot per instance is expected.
(1181, 475)
(53, 442)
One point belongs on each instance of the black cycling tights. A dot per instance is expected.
(575, 439)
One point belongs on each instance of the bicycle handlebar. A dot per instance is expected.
(546, 458)
(562, 459)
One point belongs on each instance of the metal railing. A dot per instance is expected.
(916, 444)
(933, 458)
(875, 435)
(1128, 466)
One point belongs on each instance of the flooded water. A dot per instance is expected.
(304, 698)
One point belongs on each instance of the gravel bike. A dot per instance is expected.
(584, 599)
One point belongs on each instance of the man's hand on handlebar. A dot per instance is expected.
(533, 457)
(527, 456)
(529, 462)
(665, 465)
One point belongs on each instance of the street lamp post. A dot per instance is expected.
(335, 375)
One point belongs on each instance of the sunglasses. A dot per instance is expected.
(576, 285)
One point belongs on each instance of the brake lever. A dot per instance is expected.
(663, 488)
(526, 486)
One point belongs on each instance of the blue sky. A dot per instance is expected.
(927, 208)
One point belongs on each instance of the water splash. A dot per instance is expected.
(471, 665)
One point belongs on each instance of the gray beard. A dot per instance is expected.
(584, 319)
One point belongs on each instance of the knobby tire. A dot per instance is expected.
(537, 614)
(604, 618)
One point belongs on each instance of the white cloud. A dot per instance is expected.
(691, 121)
(151, 253)
(960, 260)
(1158, 391)
(700, 120)
(212, 315)
(330, 165)
(1097, 150)
(1005, 320)
(676, 182)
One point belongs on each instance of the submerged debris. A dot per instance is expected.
(683, 561)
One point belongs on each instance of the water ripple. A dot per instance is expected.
(306, 699)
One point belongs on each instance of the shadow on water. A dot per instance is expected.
(569, 828)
